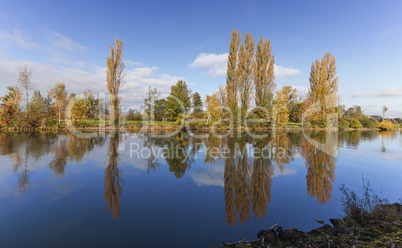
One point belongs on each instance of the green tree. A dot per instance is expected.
(160, 111)
(133, 115)
(296, 111)
(197, 103)
(10, 106)
(91, 105)
(355, 123)
(36, 109)
(59, 95)
(264, 78)
(323, 90)
(178, 102)
(114, 78)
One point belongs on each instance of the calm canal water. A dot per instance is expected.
(139, 190)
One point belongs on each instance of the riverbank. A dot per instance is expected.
(373, 231)
(370, 221)
(172, 126)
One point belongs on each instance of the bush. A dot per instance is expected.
(369, 122)
(355, 123)
(385, 125)
(364, 209)
(343, 124)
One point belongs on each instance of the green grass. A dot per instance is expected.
(292, 124)
(129, 122)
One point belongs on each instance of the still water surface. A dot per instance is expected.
(135, 190)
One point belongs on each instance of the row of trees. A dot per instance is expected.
(250, 76)
(19, 110)
(250, 93)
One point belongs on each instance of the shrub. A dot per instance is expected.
(369, 122)
(366, 208)
(355, 123)
(343, 124)
(385, 125)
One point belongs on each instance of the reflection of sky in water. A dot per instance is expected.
(69, 200)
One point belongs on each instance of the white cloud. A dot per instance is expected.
(301, 90)
(213, 174)
(386, 93)
(46, 76)
(62, 42)
(138, 80)
(17, 38)
(282, 72)
(216, 65)
(61, 47)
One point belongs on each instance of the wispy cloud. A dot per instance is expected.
(301, 89)
(17, 38)
(62, 42)
(61, 48)
(387, 31)
(392, 92)
(216, 65)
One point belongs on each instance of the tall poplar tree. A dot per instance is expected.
(232, 73)
(245, 70)
(323, 90)
(114, 79)
(264, 78)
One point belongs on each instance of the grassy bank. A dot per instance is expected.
(370, 221)
(93, 125)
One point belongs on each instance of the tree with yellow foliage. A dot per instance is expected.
(323, 91)
(264, 78)
(114, 78)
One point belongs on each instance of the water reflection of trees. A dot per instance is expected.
(250, 164)
(261, 179)
(23, 147)
(320, 168)
(176, 153)
(113, 179)
(247, 180)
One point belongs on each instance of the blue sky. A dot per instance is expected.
(165, 41)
